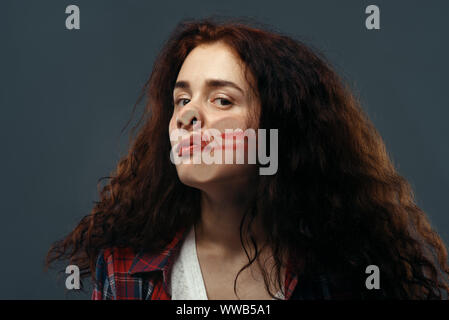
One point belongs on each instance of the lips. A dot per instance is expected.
(197, 142)
(190, 144)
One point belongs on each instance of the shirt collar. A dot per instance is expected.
(147, 262)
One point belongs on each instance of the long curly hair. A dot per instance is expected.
(335, 205)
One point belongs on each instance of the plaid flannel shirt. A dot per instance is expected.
(123, 274)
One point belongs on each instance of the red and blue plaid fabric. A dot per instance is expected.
(123, 274)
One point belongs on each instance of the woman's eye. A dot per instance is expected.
(223, 102)
(182, 102)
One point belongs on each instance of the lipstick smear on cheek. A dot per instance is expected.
(233, 140)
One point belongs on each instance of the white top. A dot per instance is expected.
(186, 280)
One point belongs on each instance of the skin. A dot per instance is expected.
(225, 188)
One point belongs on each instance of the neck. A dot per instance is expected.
(221, 213)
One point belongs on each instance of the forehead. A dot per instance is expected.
(213, 61)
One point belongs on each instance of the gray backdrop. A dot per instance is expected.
(65, 96)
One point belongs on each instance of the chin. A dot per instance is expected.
(200, 175)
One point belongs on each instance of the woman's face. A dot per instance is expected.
(211, 89)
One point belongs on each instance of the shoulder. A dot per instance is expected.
(112, 268)
(123, 273)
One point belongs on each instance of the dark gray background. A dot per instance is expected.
(65, 96)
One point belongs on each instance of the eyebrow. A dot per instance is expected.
(211, 83)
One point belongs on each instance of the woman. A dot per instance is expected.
(333, 205)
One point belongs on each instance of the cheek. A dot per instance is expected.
(171, 129)
(171, 125)
(229, 122)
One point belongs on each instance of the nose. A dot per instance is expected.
(187, 118)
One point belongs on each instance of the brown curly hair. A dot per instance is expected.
(336, 204)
